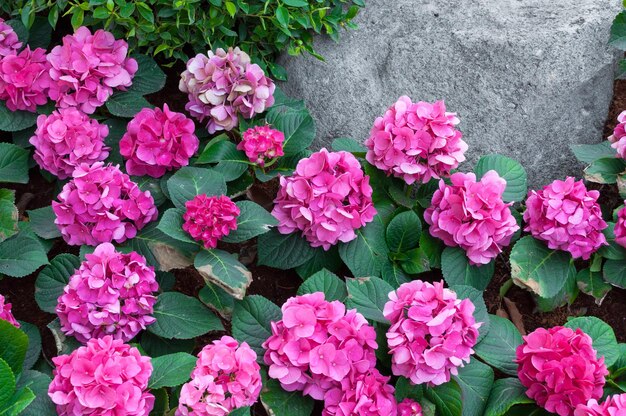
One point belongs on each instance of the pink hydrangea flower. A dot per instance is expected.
(223, 85)
(104, 378)
(262, 144)
(432, 332)
(110, 294)
(226, 377)
(472, 215)
(361, 394)
(24, 80)
(101, 204)
(327, 198)
(620, 227)
(560, 369)
(9, 43)
(6, 314)
(210, 218)
(618, 138)
(86, 68)
(318, 344)
(408, 407)
(566, 216)
(157, 141)
(68, 138)
(416, 141)
(613, 406)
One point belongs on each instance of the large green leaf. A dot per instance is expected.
(505, 393)
(618, 31)
(475, 380)
(612, 251)
(38, 382)
(321, 259)
(15, 120)
(403, 232)
(8, 214)
(326, 282)
(283, 251)
(498, 348)
(605, 170)
(588, 153)
(368, 252)
(126, 104)
(7, 383)
(369, 295)
(251, 322)
(152, 185)
(593, 284)
(283, 403)
(614, 272)
(149, 77)
(13, 163)
(21, 255)
(53, 279)
(604, 341)
(217, 299)
(447, 397)
(160, 250)
(155, 346)
(42, 222)
(188, 182)
(296, 124)
(13, 346)
(223, 269)
(171, 370)
(34, 344)
(511, 170)
(253, 220)
(171, 223)
(457, 270)
(182, 317)
(480, 312)
(231, 163)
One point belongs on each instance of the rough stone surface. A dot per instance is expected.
(527, 77)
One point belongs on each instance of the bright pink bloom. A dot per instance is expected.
(101, 204)
(318, 344)
(68, 138)
(613, 406)
(566, 216)
(210, 218)
(5, 313)
(157, 141)
(620, 227)
(416, 141)
(24, 80)
(361, 394)
(409, 407)
(86, 68)
(223, 85)
(327, 198)
(9, 43)
(432, 332)
(262, 144)
(560, 368)
(472, 215)
(618, 138)
(226, 377)
(110, 294)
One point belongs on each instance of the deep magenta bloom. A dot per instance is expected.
(472, 215)
(560, 369)
(110, 294)
(210, 218)
(157, 141)
(6, 314)
(620, 227)
(613, 406)
(223, 85)
(408, 407)
(361, 394)
(432, 332)
(416, 141)
(327, 198)
(262, 144)
(104, 378)
(100, 204)
(66, 139)
(618, 138)
(226, 377)
(86, 68)
(24, 80)
(9, 43)
(567, 217)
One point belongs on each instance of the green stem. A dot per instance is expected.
(505, 287)
(596, 263)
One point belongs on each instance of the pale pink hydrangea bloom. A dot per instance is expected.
(157, 141)
(618, 138)
(614, 405)
(6, 314)
(327, 198)
(566, 216)
(560, 369)
(408, 407)
(620, 227)
(68, 138)
(110, 294)
(24, 80)
(472, 215)
(9, 43)
(210, 218)
(432, 332)
(361, 394)
(226, 377)
(318, 344)
(100, 204)
(262, 144)
(86, 68)
(416, 141)
(223, 85)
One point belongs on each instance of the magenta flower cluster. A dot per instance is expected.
(618, 138)
(9, 43)
(224, 85)
(364, 394)
(100, 204)
(416, 141)
(620, 227)
(66, 139)
(327, 198)
(262, 144)
(560, 369)
(614, 405)
(471, 215)
(110, 294)
(432, 332)
(408, 407)
(210, 218)
(157, 141)
(226, 377)
(567, 216)
(25, 80)
(6, 314)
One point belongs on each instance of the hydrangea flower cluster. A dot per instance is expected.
(472, 215)
(566, 216)
(226, 377)
(408, 407)
(613, 406)
(6, 314)
(101, 204)
(105, 377)
(25, 80)
(620, 227)
(432, 332)
(317, 344)
(223, 85)
(66, 139)
(9, 43)
(110, 294)
(363, 394)
(618, 138)
(327, 198)
(262, 144)
(560, 369)
(416, 141)
(87, 67)
(157, 141)
(210, 218)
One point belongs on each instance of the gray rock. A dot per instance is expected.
(527, 77)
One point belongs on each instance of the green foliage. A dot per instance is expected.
(327, 283)
(498, 348)
(602, 335)
(182, 317)
(224, 270)
(251, 322)
(171, 370)
(457, 270)
(369, 295)
(510, 170)
(52, 279)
